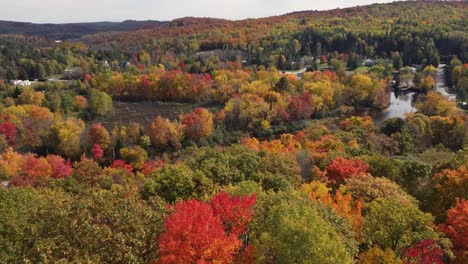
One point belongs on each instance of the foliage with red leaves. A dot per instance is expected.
(456, 225)
(97, 152)
(301, 106)
(9, 131)
(120, 164)
(150, 166)
(198, 124)
(35, 172)
(60, 167)
(88, 77)
(235, 212)
(99, 135)
(340, 169)
(194, 234)
(425, 252)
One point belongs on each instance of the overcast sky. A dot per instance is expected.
(60, 11)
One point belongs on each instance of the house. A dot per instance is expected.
(368, 62)
(407, 70)
(73, 73)
(204, 55)
(124, 64)
(21, 82)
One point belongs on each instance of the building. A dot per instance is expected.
(21, 82)
(368, 62)
(73, 73)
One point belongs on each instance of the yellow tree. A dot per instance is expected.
(68, 134)
(362, 87)
(164, 133)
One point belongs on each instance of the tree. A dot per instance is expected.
(431, 71)
(416, 178)
(120, 164)
(427, 251)
(419, 127)
(452, 184)
(9, 131)
(198, 124)
(393, 125)
(40, 71)
(362, 88)
(456, 229)
(377, 255)
(427, 84)
(176, 182)
(60, 167)
(68, 135)
(282, 85)
(448, 131)
(150, 166)
(435, 103)
(35, 172)
(11, 162)
(289, 228)
(340, 169)
(32, 123)
(87, 227)
(99, 135)
(339, 66)
(165, 134)
(100, 103)
(87, 171)
(369, 188)
(194, 234)
(390, 224)
(97, 152)
(341, 204)
(235, 212)
(29, 96)
(381, 97)
(397, 60)
(134, 156)
(225, 166)
(247, 111)
(301, 106)
(81, 102)
(344, 206)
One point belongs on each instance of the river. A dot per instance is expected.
(402, 103)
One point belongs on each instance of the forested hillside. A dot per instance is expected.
(275, 140)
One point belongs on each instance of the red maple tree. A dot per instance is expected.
(456, 229)
(425, 252)
(60, 167)
(120, 164)
(235, 212)
(198, 124)
(9, 131)
(194, 234)
(97, 152)
(301, 106)
(340, 169)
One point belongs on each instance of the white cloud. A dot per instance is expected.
(58, 11)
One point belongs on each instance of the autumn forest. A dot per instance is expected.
(335, 136)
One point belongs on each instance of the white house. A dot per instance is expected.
(21, 82)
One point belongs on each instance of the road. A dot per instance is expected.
(441, 84)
